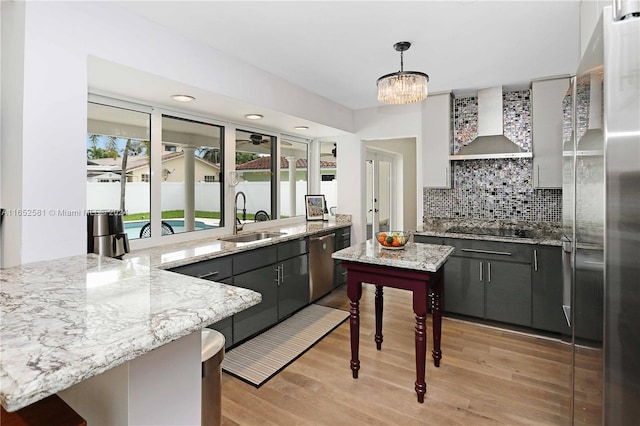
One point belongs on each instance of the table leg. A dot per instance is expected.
(420, 309)
(379, 305)
(436, 315)
(354, 291)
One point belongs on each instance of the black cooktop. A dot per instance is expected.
(494, 232)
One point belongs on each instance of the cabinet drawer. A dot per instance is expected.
(343, 233)
(492, 250)
(292, 248)
(213, 270)
(427, 239)
(254, 259)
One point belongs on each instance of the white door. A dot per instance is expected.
(380, 192)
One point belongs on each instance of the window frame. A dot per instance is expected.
(228, 143)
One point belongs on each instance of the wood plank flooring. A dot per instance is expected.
(487, 376)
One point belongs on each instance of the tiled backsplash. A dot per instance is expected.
(497, 188)
(494, 189)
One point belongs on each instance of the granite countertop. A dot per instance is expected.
(179, 254)
(66, 320)
(542, 240)
(542, 233)
(415, 256)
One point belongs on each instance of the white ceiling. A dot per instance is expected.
(338, 49)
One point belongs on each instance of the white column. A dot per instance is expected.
(292, 186)
(189, 187)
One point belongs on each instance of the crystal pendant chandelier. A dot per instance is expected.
(402, 87)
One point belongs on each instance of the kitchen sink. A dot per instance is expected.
(254, 236)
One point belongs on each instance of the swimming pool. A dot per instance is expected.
(133, 228)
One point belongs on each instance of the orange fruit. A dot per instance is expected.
(382, 237)
(396, 242)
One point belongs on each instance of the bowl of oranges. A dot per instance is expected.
(394, 240)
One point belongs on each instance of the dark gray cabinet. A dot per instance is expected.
(219, 270)
(292, 277)
(428, 239)
(546, 290)
(343, 240)
(281, 274)
(490, 280)
(508, 292)
(255, 271)
(588, 301)
(463, 287)
(264, 314)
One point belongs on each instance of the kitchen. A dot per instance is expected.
(39, 239)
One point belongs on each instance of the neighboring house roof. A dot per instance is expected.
(138, 161)
(264, 163)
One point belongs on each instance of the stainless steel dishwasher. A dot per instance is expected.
(321, 265)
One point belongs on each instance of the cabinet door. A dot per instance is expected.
(588, 302)
(293, 291)
(340, 274)
(464, 286)
(546, 106)
(546, 290)
(508, 292)
(265, 313)
(436, 139)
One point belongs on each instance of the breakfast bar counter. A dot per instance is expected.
(66, 321)
(416, 267)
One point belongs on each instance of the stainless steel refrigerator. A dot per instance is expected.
(601, 221)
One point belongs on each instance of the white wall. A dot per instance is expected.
(406, 148)
(49, 130)
(390, 123)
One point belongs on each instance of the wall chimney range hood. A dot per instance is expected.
(490, 142)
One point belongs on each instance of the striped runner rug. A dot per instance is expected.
(259, 359)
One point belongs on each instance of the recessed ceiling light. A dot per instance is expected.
(253, 116)
(301, 127)
(183, 98)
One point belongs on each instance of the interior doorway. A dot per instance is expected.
(381, 192)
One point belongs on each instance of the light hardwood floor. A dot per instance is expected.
(487, 376)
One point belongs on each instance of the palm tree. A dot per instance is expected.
(123, 174)
(131, 147)
(111, 147)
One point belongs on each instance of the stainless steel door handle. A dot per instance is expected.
(535, 260)
(480, 271)
(489, 271)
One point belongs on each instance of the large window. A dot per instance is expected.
(328, 174)
(191, 197)
(294, 176)
(255, 182)
(181, 188)
(118, 159)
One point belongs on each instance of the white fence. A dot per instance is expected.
(106, 195)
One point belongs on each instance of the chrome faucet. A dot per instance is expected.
(237, 224)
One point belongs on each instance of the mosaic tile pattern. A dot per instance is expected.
(498, 189)
(494, 189)
(516, 113)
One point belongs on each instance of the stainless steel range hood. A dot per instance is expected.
(490, 142)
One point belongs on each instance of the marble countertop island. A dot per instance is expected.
(66, 320)
(416, 256)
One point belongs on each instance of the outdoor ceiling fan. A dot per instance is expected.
(257, 140)
(254, 139)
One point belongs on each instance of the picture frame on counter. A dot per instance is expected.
(314, 206)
